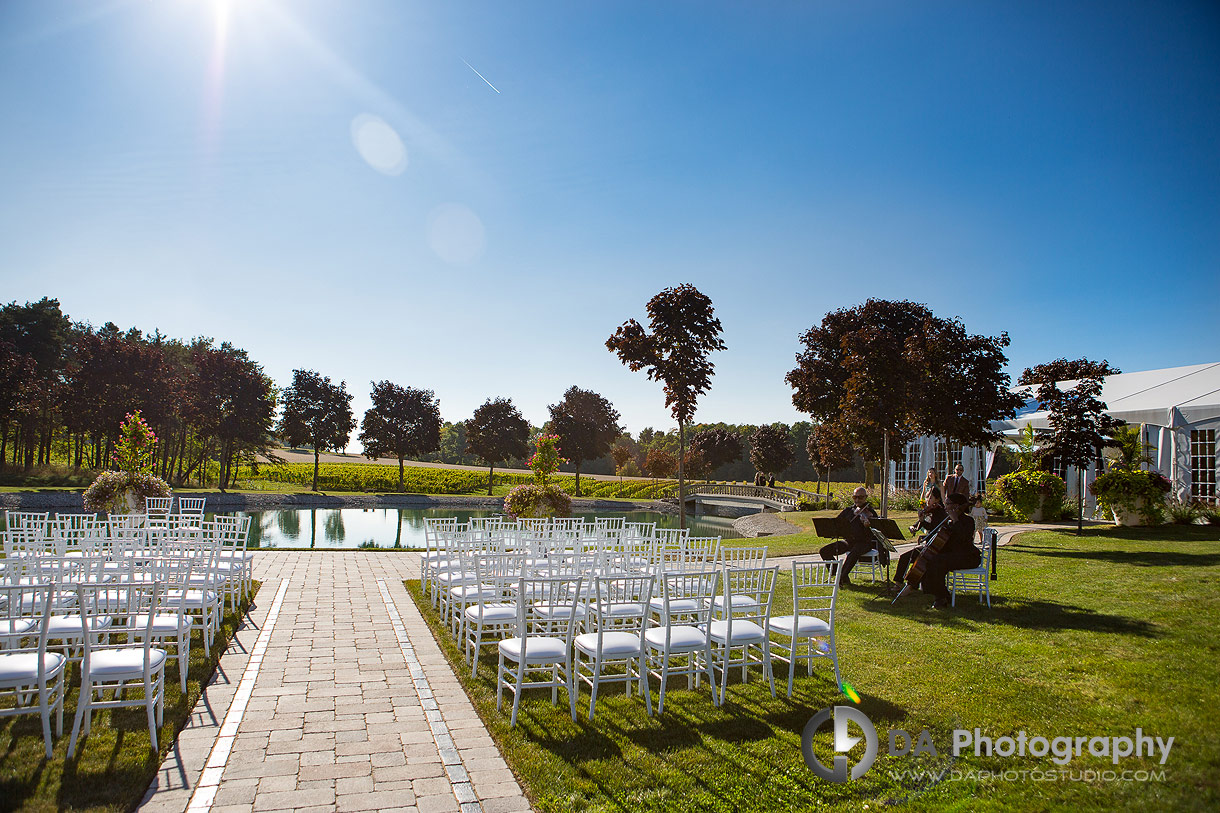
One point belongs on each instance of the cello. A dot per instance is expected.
(934, 543)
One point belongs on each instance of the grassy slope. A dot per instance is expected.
(1091, 636)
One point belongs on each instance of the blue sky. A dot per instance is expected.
(330, 185)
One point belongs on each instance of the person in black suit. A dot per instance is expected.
(859, 533)
(959, 553)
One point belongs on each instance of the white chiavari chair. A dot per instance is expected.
(31, 679)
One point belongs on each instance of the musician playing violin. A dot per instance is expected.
(959, 553)
(930, 517)
(860, 539)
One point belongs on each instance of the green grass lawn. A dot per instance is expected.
(1092, 636)
(114, 765)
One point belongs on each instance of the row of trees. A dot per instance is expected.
(68, 385)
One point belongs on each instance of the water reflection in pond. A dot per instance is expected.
(404, 527)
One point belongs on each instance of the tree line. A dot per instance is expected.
(871, 377)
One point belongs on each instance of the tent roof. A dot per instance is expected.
(1175, 396)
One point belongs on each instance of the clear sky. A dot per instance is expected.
(332, 185)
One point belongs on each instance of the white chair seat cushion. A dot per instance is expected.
(618, 610)
(676, 605)
(740, 601)
(69, 626)
(194, 598)
(681, 638)
(112, 664)
(21, 668)
(162, 624)
(539, 649)
(16, 626)
(743, 632)
(807, 626)
(552, 611)
(614, 644)
(497, 613)
(473, 591)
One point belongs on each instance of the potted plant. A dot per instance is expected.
(125, 488)
(1028, 495)
(540, 499)
(1133, 497)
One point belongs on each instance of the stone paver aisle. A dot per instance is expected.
(335, 720)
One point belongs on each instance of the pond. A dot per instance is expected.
(404, 527)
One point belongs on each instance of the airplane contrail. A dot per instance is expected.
(481, 76)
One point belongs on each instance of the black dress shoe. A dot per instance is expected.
(845, 582)
(940, 604)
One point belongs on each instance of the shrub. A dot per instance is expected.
(538, 501)
(903, 499)
(1132, 491)
(1025, 492)
(109, 491)
(1183, 513)
(1210, 515)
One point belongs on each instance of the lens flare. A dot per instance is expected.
(851, 693)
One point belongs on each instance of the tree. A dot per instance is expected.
(683, 334)
(233, 403)
(770, 450)
(829, 449)
(497, 432)
(659, 463)
(1079, 424)
(621, 455)
(884, 371)
(587, 425)
(317, 413)
(1064, 370)
(403, 422)
(717, 447)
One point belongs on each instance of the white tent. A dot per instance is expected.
(1178, 409)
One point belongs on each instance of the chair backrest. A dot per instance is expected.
(131, 606)
(21, 607)
(619, 603)
(548, 606)
(191, 505)
(671, 537)
(757, 583)
(72, 528)
(686, 596)
(126, 525)
(815, 588)
(28, 520)
(744, 557)
(705, 549)
(158, 505)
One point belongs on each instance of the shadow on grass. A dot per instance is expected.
(1031, 614)
(1160, 558)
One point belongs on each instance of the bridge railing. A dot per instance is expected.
(784, 495)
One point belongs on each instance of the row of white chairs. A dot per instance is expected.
(122, 606)
(595, 610)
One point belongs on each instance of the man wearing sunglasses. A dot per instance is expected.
(859, 537)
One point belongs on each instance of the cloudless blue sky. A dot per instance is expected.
(330, 185)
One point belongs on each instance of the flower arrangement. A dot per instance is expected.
(546, 459)
(1132, 492)
(541, 499)
(132, 482)
(538, 501)
(1028, 492)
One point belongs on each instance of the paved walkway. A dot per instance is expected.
(334, 697)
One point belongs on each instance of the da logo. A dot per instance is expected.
(843, 743)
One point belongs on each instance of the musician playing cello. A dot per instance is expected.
(860, 539)
(959, 553)
(930, 518)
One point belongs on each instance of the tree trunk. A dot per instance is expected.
(885, 474)
(399, 485)
(681, 475)
(316, 455)
(577, 479)
(1079, 501)
(491, 475)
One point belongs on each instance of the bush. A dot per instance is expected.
(1025, 492)
(904, 499)
(1132, 491)
(538, 501)
(1183, 513)
(1210, 515)
(109, 491)
(996, 509)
